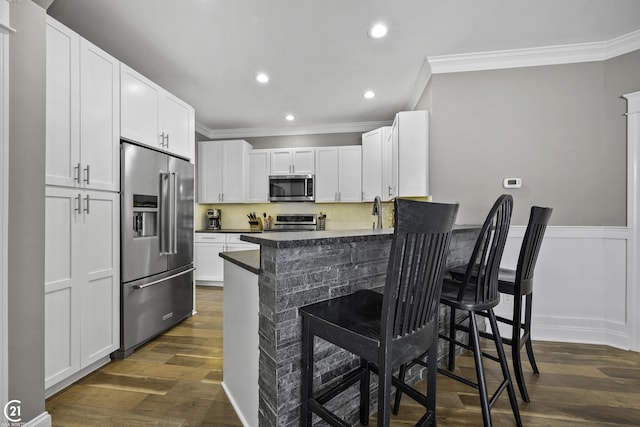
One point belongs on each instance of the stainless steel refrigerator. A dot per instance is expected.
(157, 198)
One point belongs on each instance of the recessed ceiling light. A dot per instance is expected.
(369, 94)
(290, 117)
(378, 31)
(262, 78)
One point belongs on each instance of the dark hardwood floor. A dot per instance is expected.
(174, 380)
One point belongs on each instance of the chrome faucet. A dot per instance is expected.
(377, 210)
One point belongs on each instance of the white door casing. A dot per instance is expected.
(633, 215)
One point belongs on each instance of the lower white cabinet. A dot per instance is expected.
(209, 265)
(82, 280)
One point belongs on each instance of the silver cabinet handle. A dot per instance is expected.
(86, 175)
(167, 140)
(390, 191)
(77, 168)
(78, 207)
(162, 139)
(87, 200)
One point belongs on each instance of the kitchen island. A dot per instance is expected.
(296, 269)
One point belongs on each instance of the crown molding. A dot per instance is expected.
(289, 130)
(424, 75)
(532, 57)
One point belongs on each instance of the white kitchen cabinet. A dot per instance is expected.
(152, 116)
(338, 174)
(82, 111)
(209, 266)
(258, 181)
(222, 171)
(293, 161)
(376, 164)
(410, 154)
(82, 280)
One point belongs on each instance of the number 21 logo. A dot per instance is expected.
(12, 411)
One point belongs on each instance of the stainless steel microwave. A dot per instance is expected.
(291, 188)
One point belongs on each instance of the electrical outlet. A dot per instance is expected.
(507, 299)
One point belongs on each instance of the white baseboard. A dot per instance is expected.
(236, 407)
(42, 420)
(75, 377)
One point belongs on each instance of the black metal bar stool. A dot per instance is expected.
(385, 330)
(478, 293)
(519, 283)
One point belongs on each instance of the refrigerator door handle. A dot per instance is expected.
(165, 220)
(174, 214)
(156, 282)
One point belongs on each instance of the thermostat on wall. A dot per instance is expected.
(512, 183)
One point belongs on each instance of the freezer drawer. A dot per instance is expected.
(152, 305)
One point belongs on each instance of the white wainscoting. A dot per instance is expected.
(582, 288)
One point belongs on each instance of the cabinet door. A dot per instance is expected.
(258, 183)
(61, 274)
(99, 118)
(303, 160)
(327, 184)
(281, 162)
(233, 171)
(350, 173)
(139, 118)
(176, 120)
(371, 164)
(209, 172)
(62, 105)
(208, 264)
(394, 137)
(387, 155)
(101, 276)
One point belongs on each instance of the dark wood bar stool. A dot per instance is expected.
(478, 293)
(519, 283)
(385, 330)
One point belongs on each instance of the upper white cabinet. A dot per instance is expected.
(293, 161)
(376, 164)
(82, 111)
(410, 154)
(152, 116)
(339, 174)
(258, 182)
(222, 171)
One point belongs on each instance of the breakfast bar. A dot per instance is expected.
(262, 329)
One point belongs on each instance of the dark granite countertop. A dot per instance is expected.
(249, 260)
(291, 239)
(232, 230)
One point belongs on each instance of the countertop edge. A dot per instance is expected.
(249, 260)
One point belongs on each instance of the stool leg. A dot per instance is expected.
(364, 392)
(306, 380)
(401, 375)
(527, 324)
(452, 337)
(384, 394)
(505, 368)
(516, 345)
(482, 383)
(432, 372)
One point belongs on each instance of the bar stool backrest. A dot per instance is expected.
(415, 270)
(483, 267)
(538, 220)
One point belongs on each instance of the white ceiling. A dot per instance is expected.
(317, 52)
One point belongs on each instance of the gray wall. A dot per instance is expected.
(26, 205)
(560, 128)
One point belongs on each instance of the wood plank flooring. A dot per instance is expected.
(174, 380)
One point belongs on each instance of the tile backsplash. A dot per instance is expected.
(340, 216)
